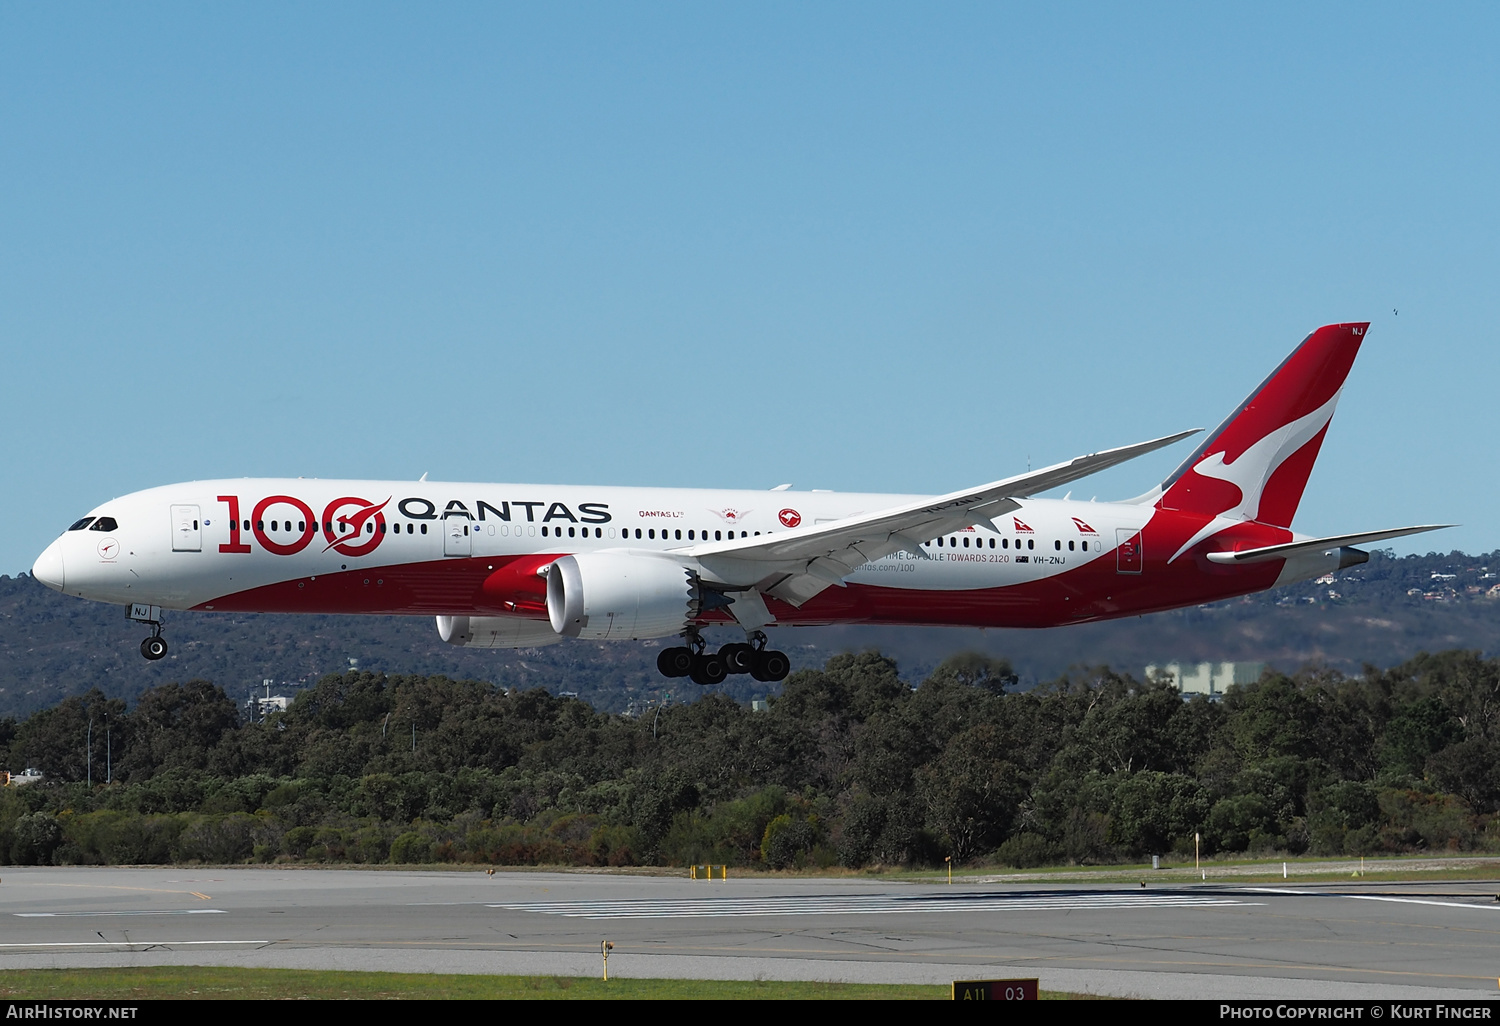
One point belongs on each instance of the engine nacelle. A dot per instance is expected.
(495, 632)
(614, 595)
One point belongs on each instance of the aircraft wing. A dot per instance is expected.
(796, 564)
(1291, 548)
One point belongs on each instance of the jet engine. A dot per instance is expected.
(495, 632)
(612, 595)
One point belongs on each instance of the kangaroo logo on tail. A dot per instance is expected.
(1255, 466)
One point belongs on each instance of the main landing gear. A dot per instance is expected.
(154, 647)
(704, 667)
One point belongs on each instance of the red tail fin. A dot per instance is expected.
(1255, 465)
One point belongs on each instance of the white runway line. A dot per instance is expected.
(1384, 897)
(141, 912)
(868, 904)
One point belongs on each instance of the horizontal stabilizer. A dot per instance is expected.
(1291, 548)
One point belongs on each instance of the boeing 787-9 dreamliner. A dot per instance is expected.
(516, 565)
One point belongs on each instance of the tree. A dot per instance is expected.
(1151, 810)
(177, 726)
(971, 792)
(1274, 716)
(977, 670)
(70, 741)
(1420, 729)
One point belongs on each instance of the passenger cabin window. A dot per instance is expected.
(86, 521)
(105, 524)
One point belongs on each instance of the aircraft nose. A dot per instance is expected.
(49, 566)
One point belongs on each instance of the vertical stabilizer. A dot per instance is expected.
(1255, 465)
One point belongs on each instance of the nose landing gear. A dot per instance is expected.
(704, 667)
(154, 647)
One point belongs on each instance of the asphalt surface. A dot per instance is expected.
(1206, 941)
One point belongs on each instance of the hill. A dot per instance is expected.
(1382, 613)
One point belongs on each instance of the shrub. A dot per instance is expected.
(34, 838)
(788, 838)
(297, 840)
(411, 849)
(1234, 822)
(216, 839)
(1027, 851)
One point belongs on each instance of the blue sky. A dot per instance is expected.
(862, 246)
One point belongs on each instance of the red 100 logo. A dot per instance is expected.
(344, 521)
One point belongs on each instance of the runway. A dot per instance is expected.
(1216, 941)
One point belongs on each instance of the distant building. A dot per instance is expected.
(1210, 679)
(259, 707)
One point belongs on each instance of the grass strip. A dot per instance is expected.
(210, 982)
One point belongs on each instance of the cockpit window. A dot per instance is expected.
(82, 524)
(105, 524)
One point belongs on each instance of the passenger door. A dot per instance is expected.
(187, 529)
(458, 540)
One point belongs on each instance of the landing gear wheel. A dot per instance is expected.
(154, 648)
(675, 662)
(771, 666)
(738, 658)
(709, 669)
